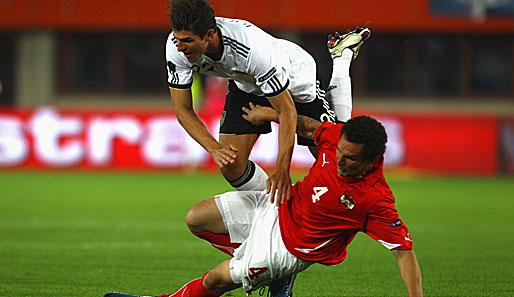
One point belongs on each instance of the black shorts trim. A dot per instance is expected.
(181, 87)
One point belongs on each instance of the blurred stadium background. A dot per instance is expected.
(438, 73)
(90, 151)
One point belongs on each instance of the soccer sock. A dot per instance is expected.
(253, 179)
(219, 241)
(194, 288)
(341, 95)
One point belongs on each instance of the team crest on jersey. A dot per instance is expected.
(347, 201)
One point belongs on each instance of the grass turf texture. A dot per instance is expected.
(83, 234)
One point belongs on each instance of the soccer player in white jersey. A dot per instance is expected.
(260, 68)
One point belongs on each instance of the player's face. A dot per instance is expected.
(191, 45)
(349, 162)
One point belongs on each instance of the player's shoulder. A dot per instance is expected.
(328, 133)
(241, 33)
(171, 45)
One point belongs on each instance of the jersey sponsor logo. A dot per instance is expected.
(267, 75)
(324, 162)
(396, 224)
(347, 201)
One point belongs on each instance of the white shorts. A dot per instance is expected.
(262, 257)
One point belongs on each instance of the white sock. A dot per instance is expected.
(341, 95)
(255, 182)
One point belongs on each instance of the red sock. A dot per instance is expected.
(194, 288)
(219, 241)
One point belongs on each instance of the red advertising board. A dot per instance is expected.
(153, 139)
(450, 143)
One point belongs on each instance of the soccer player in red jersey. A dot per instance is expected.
(344, 193)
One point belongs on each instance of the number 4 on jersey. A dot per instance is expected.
(318, 191)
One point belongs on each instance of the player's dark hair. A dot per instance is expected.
(368, 131)
(196, 16)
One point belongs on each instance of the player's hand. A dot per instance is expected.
(278, 186)
(257, 114)
(224, 155)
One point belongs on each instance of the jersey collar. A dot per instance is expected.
(370, 178)
(222, 45)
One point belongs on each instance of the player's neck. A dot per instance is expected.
(215, 47)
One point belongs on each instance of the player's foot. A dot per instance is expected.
(352, 40)
(115, 294)
(282, 287)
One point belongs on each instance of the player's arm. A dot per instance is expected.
(257, 114)
(410, 272)
(182, 102)
(280, 180)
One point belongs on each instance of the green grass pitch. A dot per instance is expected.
(85, 234)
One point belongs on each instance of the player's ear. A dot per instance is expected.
(210, 34)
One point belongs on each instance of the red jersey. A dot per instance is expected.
(326, 210)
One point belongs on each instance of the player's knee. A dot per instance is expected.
(234, 170)
(215, 282)
(194, 220)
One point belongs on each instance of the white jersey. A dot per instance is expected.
(259, 63)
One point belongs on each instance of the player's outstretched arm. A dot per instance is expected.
(280, 180)
(183, 106)
(256, 114)
(410, 272)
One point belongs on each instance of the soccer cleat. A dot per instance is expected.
(352, 40)
(281, 287)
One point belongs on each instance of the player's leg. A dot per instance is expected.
(206, 222)
(214, 283)
(344, 49)
(318, 109)
(218, 280)
(243, 174)
(263, 258)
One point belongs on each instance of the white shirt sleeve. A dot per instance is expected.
(266, 66)
(180, 74)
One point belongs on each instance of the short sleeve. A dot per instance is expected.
(265, 66)
(384, 225)
(180, 74)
